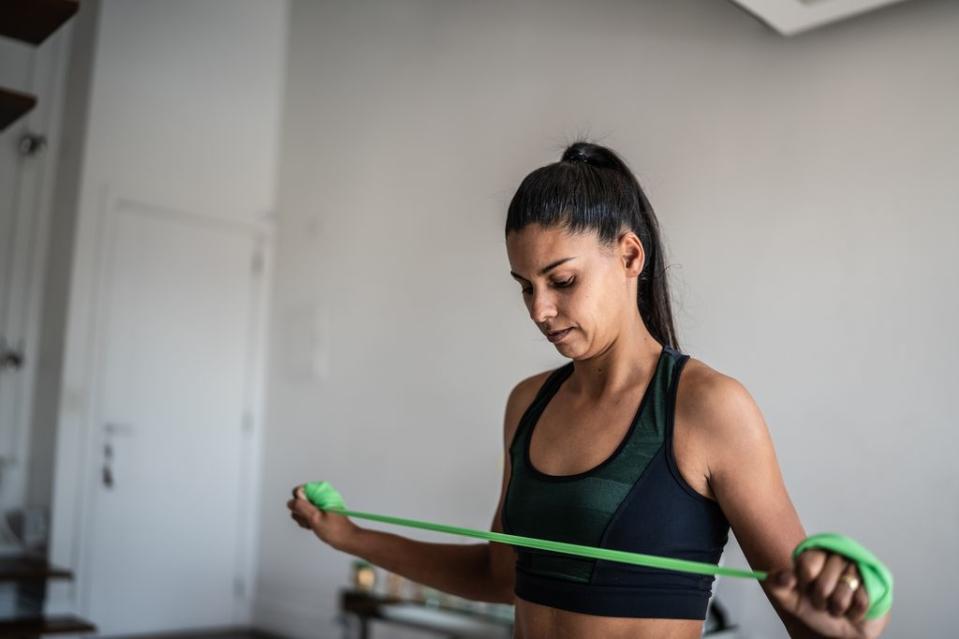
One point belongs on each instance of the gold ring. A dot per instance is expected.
(851, 581)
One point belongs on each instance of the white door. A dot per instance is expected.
(174, 340)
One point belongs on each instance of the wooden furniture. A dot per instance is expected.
(445, 622)
(29, 627)
(30, 21)
(31, 575)
(13, 105)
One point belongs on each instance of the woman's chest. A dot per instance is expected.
(570, 439)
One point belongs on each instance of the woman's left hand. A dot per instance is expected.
(825, 592)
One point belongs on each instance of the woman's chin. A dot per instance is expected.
(566, 348)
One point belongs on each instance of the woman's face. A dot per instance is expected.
(574, 285)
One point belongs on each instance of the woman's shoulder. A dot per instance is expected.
(714, 406)
(520, 397)
(525, 390)
(716, 424)
(703, 388)
(699, 380)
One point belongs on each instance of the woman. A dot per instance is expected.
(631, 445)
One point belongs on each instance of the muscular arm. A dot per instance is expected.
(744, 475)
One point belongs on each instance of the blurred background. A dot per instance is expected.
(246, 244)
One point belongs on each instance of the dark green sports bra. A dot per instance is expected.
(635, 500)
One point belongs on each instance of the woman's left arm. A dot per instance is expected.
(810, 594)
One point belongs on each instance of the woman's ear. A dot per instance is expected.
(632, 253)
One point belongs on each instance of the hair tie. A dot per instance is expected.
(577, 155)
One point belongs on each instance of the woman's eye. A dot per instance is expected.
(563, 284)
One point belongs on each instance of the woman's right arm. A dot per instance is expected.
(481, 572)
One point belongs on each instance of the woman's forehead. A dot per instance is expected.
(535, 244)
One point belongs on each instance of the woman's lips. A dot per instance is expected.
(558, 335)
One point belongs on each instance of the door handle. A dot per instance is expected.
(10, 357)
(112, 429)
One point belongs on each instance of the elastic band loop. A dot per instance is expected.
(322, 495)
(876, 577)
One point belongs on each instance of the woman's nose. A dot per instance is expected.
(541, 308)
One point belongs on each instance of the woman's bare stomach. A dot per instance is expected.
(534, 621)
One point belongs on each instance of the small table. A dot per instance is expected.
(454, 623)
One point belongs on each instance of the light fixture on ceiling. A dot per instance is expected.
(790, 17)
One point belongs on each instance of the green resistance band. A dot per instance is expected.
(877, 580)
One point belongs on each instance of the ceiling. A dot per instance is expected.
(789, 17)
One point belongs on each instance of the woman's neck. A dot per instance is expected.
(627, 362)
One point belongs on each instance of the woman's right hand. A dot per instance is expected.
(332, 528)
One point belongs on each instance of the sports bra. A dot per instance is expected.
(636, 500)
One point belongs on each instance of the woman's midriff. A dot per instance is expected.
(534, 621)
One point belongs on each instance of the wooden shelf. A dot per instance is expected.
(14, 104)
(30, 569)
(36, 626)
(30, 573)
(33, 21)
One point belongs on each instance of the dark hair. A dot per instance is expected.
(591, 188)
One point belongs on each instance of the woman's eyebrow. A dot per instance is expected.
(546, 269)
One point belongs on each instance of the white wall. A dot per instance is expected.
(807, 191)
(184, 107)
